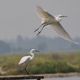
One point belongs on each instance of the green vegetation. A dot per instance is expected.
(43, 63)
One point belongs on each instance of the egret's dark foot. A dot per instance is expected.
(36, 30)
(38, 33)
(27, 72)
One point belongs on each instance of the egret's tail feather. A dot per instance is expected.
(74, 42)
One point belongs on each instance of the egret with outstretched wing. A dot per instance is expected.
(54, 21)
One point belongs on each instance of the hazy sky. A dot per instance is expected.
(18, 17)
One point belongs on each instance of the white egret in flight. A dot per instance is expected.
(54, 21)
(26, 59)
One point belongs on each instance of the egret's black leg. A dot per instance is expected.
(40, 30)
(26, 71)
(43, 25)
(26, 68)
(39, 27)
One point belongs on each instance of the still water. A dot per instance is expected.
(64, 78)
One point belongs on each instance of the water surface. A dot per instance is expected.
(63, 78)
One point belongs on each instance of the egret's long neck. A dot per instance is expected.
(32, 54)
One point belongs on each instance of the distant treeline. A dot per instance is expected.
(42, 43)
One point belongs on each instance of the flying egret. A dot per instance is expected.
(26, 59)
(54, 21)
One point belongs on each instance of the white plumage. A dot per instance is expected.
(26, 59)
(54, 21)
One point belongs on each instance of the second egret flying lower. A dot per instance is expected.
(54, 21)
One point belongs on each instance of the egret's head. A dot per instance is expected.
(34, 50)
(59, 17)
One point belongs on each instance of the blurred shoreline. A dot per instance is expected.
(75, 74)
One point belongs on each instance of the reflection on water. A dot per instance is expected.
(64, 78)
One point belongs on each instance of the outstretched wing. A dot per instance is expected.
(61, 31)
(24, 60)
(46, 17)
(43, 14)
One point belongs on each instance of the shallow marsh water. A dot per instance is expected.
(63, 78)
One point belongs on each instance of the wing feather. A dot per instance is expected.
(43, 14)
(61, 31)
(24, 59)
